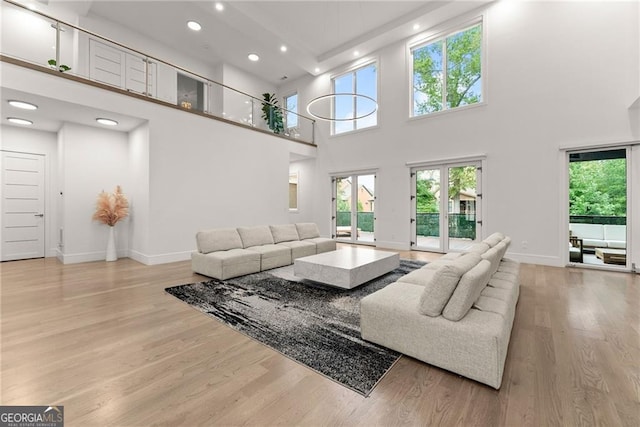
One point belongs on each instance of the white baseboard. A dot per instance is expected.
(87, 256)
(552, 261)
(393, 245)
(159, 259)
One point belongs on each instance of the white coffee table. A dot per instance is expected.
(346, 268)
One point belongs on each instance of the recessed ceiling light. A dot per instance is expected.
(20, 121)
(219, 7)
(416, 26)
(283, 48)
(253, 57)
(23, 105)
(194, 25)
(356, 53)
(317, 70)
(106, 122)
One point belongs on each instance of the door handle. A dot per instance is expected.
(40, 215)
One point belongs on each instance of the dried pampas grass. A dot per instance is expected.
(111, 207)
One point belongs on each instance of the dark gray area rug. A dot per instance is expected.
(313, 324)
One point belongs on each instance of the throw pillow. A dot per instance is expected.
(468, 291)
(438, 290)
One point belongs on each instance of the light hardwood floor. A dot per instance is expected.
(106, 341)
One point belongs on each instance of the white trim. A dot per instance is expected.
(597, 146)
(346, 174)
(448, 161)
(88, 256)
(420, 42)
(161, 258)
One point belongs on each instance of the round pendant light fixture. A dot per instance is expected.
(369, 105)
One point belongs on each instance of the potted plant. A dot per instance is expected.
(111, 208)
(62, 68)
(272, 113)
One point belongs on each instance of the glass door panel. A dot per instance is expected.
(427, 209)
(365, 189)
(446, 205)
(598, 208)
(343, 207)
(461, 209)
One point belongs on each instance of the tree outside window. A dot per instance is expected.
(447, 73)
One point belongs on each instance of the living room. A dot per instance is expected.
(183, 173)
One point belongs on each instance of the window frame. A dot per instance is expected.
(353, 69)
(426, 40)
(284, 103)
(296, 176)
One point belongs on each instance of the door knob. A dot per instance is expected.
(40, 215)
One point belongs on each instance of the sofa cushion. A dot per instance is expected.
(468, 290)
(493, 256)
(493, 305)
(323, 244)
(307, 230)
(300, 249)
(493, 239)
(479, 248)
(587, 231)
(616, 236)
(284, 233)
(272, 256)
(255, 236)
(220, 239)
(438, 289)
(421, 276)
(226, 264)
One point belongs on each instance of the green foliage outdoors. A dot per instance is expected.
(460, 178)
(272, 113)
(598, 187)
(464, 66)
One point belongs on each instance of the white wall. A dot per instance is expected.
(559, 74)
(94, 160)
(306, 170)
(31, 37)
(207, 174)
(24, 140)
(201, 173)
(138, 192)
(237, 106)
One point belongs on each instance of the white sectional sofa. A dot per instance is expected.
(224, 253)
(455, 313)
(600, 235)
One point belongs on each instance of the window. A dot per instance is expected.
(291, 115)
(363, 81)
(447, 72)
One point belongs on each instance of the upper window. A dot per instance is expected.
(447, 72)
(350, 110)
(291, 115)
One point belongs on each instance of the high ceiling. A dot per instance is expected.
(319, 35)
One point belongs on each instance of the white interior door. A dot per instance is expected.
(22, 206)
(141, 75)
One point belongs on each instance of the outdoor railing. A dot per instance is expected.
(598, 219)
(462, 226)
(39, 39)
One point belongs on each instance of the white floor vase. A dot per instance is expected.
(112, 254)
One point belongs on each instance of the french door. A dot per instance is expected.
(353, 218)
(446, 206)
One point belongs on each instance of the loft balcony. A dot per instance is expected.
(43, 43)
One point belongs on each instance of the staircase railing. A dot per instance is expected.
(47, 43)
